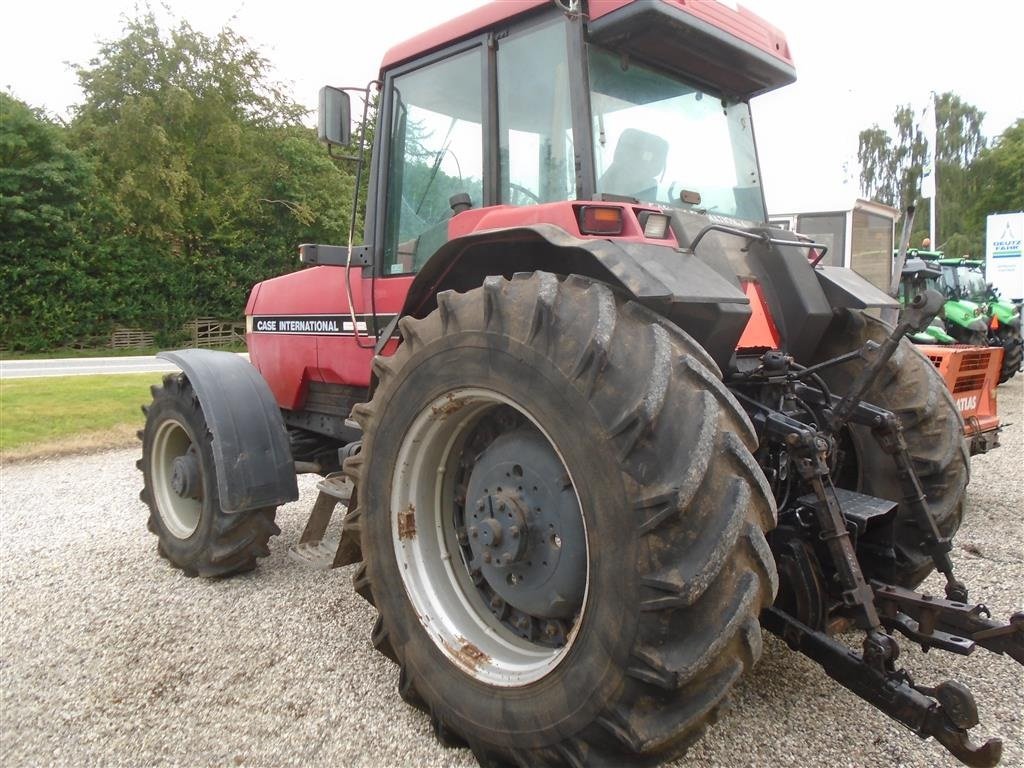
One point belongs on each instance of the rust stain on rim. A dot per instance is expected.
(448, 408)
(407, 523)
(469, 655)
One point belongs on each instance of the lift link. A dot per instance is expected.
(944, 712)
(810, 451)
(888, 433)
(885, 427)
(889, 436)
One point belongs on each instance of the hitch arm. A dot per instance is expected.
(947, 716)
(937, 617)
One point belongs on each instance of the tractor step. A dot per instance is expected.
(317, 555)
(336, 485)
(315, 548)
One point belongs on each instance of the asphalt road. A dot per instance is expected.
(77, 366)
(80, 366)
(108, 657)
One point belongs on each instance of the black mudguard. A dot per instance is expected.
(250, 442)
(705, 302)
(699, 290)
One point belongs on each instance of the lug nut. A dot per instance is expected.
(506, 559)
(514, 531)
(487, 557)
(501, 507)
(474, 532)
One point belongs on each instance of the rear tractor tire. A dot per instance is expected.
(562, 524)
(1010, 341)
(910, 387)
(180, 488)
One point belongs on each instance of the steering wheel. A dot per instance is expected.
(523, 191)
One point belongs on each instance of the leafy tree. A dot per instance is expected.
(212, 179)
(996, 181)
(1002, 168)
(892, 163)
(45, 276)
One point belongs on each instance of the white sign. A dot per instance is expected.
(1004, 262)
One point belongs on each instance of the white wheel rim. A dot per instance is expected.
(435, 577)
(180, 515)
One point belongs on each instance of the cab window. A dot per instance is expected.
(534, 117)
(436, 152)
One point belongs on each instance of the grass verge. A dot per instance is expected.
(55, 416)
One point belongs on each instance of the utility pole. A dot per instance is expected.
(930, 179)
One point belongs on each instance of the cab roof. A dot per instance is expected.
(741, 24)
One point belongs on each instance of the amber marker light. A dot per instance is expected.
(598, 220)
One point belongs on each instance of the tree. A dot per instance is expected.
(44, 271)
(212, 178)
(892, 162)
(997, 180)
(891, 166)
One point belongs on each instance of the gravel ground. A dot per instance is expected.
(109, 657)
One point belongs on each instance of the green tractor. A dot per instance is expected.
(918, 276)
(965, 319)
(963, 282)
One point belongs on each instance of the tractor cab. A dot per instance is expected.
(524, 104)
(965, 279)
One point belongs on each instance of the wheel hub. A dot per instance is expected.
(525, 530)
(185, 477)
(501, 539)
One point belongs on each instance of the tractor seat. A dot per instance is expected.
(638, 162)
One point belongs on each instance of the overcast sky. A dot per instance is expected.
(855, 59)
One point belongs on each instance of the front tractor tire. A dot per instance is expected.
(180, 488)
(562, 524)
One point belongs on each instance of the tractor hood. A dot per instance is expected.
(966, 314)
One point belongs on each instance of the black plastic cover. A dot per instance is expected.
(845, 288)
(706, 302)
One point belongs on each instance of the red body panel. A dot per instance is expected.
(561, 214)
(740, 23)
(289, 362)
(462, 26)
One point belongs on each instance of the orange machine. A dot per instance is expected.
(972, 374)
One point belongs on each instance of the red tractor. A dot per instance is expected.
(594, 423)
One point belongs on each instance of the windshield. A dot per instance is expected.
(972, 283)
(660, 140)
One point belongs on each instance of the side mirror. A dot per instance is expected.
(334, 118)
